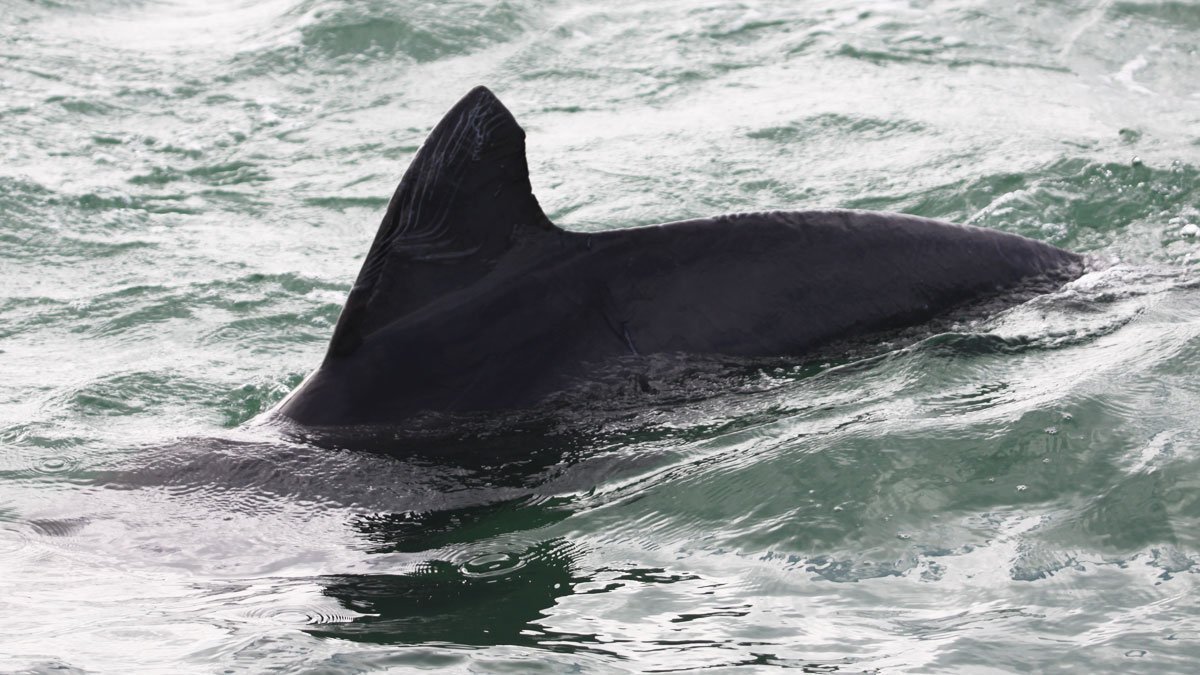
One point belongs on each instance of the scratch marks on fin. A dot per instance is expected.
(629, 338)
(612, 317)
(421, 222)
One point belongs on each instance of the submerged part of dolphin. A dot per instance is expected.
(471, 300)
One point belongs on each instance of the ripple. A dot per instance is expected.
(60, 528)
(492, 565)
(125, 394)
(34, 452)
(13, 540)
(56, 464)
(291, 615)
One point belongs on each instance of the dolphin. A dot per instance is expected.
(471, 301)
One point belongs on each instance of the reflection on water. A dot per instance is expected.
(415, 532)
(496, 599)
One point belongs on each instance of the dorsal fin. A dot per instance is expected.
(453, 215)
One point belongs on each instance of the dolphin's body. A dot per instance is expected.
(471, 300)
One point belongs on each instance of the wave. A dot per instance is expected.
(320, 34)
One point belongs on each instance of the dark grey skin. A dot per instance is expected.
(472, 301)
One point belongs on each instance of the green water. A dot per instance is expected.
(187, 190)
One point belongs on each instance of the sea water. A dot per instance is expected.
(187, 190)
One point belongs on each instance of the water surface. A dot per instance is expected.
(186, 193)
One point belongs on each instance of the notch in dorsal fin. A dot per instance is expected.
(453, 215)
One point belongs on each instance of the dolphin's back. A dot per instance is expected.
(762, 284)
(470, 299)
